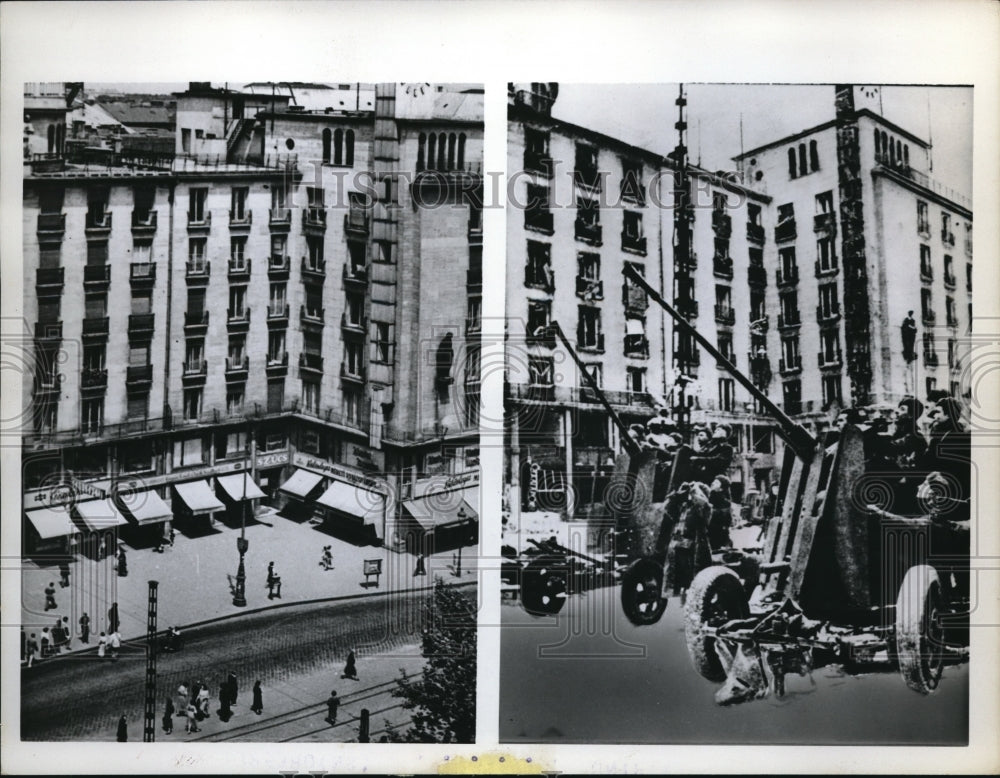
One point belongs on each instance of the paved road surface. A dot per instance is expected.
(589, 676)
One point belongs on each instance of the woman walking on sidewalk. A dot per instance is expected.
(168, 717)
(258, 699)
(350, 670)
(102, 646)
(122, 729)
(85, 628)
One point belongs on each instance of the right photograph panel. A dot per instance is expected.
(737, 470)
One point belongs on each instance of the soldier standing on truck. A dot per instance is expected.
(716, 457)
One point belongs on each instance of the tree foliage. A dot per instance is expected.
(443, 697)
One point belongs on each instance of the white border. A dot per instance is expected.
(952, 42)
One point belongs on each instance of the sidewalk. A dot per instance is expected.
(196, 578)
(295, 708)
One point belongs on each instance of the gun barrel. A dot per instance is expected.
(792, 433)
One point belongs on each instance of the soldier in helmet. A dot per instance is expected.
(714, 460)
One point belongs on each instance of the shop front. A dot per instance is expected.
(238, 491)
(50, 531)
(102, 519)
(149, 517)
(442, 514)
(195, 500)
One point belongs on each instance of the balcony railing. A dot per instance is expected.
(356, 221)
(539, 220)
(277, 311)
(97, 222)
(195, 367)
(785, 231)
(593, 344)
(352, 372)
(51, 224)
(280, 218)
(142, 273)
(830, 358)
(722, 267)
(93, 378)
(49, 279)
(473, 325)
(790, 365)
(633, 243)
(928, 317)
(239, 219)
(926, 272)
(952, 321)
(237, 364)
(826, 269)
(755, 232)
(357, 325)
(278, 264)
(757, 275)
(357, 274)
(725, 315)
(52, 330)
(314, 268)
(277, 363)
(722, 224)
(195, 320)
(690, 262)
(141, 324)
(589, 289)
(540, 336)
(47, 383)
(197, 272)
(787, 276)
(143, 221)
(588, 178)
(686, 307)
(827, 314)
(95, 326)
(589, 232)
(791, 319)
(930, 358)
(311, 315)
(239, 267)
(538, 162)
(949, 280)
(636, 346)
(948, 238)
(238, 317)
(139, 374)
(96, 275)
(199, 221)
(474, 279)
(824, 222)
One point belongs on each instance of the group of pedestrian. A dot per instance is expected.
(167, 539)
(193, 702)
(326, 559)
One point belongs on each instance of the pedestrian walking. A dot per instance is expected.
(102, 646)
(102, 549)
(85, 628)
(58, 636)
(233, 688)
(202, 702)
(350, 670)
(115, 643)
(122, 729)
(419, 569)
(113, 621)
(191, 719)
(67, 632)
(46, 641)
(326, 560)
(50, 597)
(122, 563)
(173, 534)
(258, 699)
(168, 717)
(225, 711)
(273, 582)
(182, 697)
(64, 573)
(332, 704)
(30, 649)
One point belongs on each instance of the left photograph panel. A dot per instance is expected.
(250, 411)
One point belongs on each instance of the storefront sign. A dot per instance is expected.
(73, 491)
(187, 474)
(449, 483)
(272, 460)
(339, 472)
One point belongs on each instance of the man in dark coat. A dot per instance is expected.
(716, 457)
(332, 704)
(64, 573)
(113, 621)
(85, 628)
(909, 332)
(122, 729)
(50, 597)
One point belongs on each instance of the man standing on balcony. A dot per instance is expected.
(909, 330)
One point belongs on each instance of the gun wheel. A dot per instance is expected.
(543, 586)
(920, 647)
(716, 596)
(641, 595)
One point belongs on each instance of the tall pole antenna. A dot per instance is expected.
(930, 135)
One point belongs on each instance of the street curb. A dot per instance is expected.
(218, 619)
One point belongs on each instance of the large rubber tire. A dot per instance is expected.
(543, 586)
(716, 596)
(642, 585)
(919, 634)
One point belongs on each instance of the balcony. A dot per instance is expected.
(279, 219)
(277, 313)
(930, 358)
(636, 346)
(950, 281)
(828, 268)
(722, 224)
(760, 369)
(239, 268)
(725, 315)
(313, 270)
(47, 384)
(589, 289)
(237, 368)
(97, 224)
(356, 326)
(93, 378)
(827, 315)
(594, 346)
(633, 243)
(722, 267)
(690, 262)
(51, 226)
(52, 330)
(755, 233)
(355, 374)
(538, 162)
(588, 232)
(786, 321)
(948, 238)
(49, 280)
(928, 317)
(790, 366)
(474, 280)
(311, 316)
(785, 231)
(792, 407)
(686, 307)
(473, 326)
(952, 321)
(310, 363)
(356, 222)
(277, 364)
(196, 272)
(195, 321)
(139, 375)
(142, 274)
(761, 320)
(95, 327)
(96, 277)
(829, 359)
(926, 273)
(278, 266)
(194, 371)
(539, 220)
(825, 223)
(143, 221)
(238, 319)
(787, 276)
(475, 231)
(140, 325)
(240, 220)
(540, 336)
(688, 361)
(199, 222)
(355, 274)
(588, 178)
(757, 275)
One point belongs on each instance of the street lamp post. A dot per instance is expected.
(458, 565)
(242, 544)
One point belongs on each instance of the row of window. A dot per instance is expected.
(947, 235)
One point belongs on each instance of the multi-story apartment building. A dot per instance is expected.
(289, 314)
(801, 267)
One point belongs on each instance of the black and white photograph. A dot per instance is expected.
(250, 457)
(737, 472)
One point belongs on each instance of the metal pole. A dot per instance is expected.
(149, 710)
